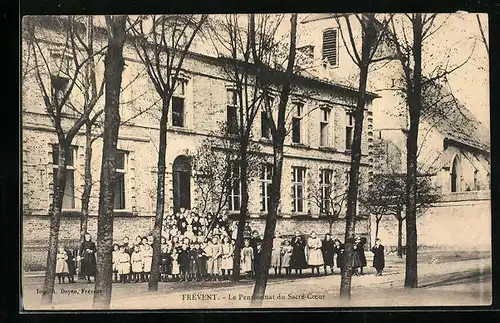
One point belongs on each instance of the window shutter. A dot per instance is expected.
(330, 46)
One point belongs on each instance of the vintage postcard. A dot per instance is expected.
(219, 161)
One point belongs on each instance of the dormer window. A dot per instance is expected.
(330, 46)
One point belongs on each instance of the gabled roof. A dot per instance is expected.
(452, 119)
(320, 16)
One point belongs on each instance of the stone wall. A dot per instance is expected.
(460, 222)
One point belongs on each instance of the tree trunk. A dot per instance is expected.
(352, 193)
(113, 69)
(243, 212)
(87, 189)
(400, 237)
(415, 105)
(267, 245)
(278, 134)
(377, 224)
(55, 220)
(160, 200)
(331, 227)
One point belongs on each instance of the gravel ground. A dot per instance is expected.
(443, 281)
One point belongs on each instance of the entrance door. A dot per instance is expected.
(182, 183)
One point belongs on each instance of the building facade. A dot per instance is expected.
(454, 147)
(317, 152)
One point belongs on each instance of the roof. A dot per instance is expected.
(304, 75)
(320, 16)
(452, 119)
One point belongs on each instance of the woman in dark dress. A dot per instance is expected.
(327, 248)
(338, 249)
(298, 260)
(87, 254)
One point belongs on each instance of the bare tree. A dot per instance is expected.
(56, 75)
(483, 36)
(162, 50)
(231, 37)
(269, 75)
(216, 165)
(330, 201)
(407, 38)
(387, 197)
(373, 33)
(113, 69)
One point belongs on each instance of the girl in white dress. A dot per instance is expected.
(315, 255)
(227, 257)
(123, 265)
(62, 269)
(247, 258)
(136, 262)
(147, 258)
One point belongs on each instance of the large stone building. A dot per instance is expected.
(319, 149)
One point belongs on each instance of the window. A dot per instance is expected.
(298, 189)
(69, 191)
(232, 111)
(265, 122)
(307, 51)
(348, 130)
(121, 161)
(488, 178)
(330, 42)
(266, 179)
(178, 104)
(324, 127)
(234, 187)
(476, 182)
(296, 123)
(326, 190)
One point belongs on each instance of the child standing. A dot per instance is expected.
(136, 262)
(175, 264)
(378, 257)
(123, 264)
(227, 257)
(286, 255)
(147, 258)
(193, 254)
(201, 262)
(247, 258)
(116, 256)
(165, 262)
(71, 265)
(61, 265)
(276, 254)
(184, 261)
(214, 253)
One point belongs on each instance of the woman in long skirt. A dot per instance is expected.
(315, 256)
(276, 254)
(298, 260)
(87, 254)
(328, 251)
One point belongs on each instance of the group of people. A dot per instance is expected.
(197, 247)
